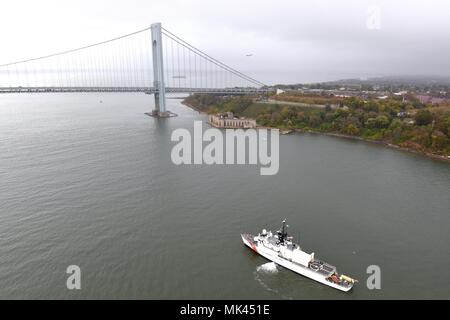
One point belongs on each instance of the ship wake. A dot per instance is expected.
(263, 275)
(268, 268)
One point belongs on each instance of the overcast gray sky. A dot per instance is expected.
(292, 40)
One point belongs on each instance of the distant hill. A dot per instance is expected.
(412, 82)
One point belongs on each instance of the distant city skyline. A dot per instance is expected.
(274, 41)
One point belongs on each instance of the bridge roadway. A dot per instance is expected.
(148, 90)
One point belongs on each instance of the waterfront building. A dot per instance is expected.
(229, 121)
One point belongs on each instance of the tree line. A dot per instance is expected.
(406, 124)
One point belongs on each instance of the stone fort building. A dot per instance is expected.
(229, 121)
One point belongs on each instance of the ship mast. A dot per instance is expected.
(282, 234)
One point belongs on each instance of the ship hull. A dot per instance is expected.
(304, 271)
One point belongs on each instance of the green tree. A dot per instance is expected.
(423, 118)
(353, 130)
(288, 113)
(439, 140)
(314, 120)
(382, 122)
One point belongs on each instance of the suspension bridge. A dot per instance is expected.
(153, 61)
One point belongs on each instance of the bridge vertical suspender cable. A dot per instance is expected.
(129, 63)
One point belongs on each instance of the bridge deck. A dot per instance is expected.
(148, 90)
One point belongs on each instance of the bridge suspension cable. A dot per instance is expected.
(170, 36)
(120, 62)
(125, 63)
(74, 50)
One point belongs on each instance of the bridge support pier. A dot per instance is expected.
(158, 74)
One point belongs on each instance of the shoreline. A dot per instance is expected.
(344, 136)
(379, 142)
(192, 107)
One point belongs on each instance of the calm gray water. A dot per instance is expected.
(91, 183)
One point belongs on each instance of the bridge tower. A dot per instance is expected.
(158, 73)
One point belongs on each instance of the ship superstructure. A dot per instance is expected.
(280, 248)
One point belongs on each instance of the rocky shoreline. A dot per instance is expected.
(383, 143)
